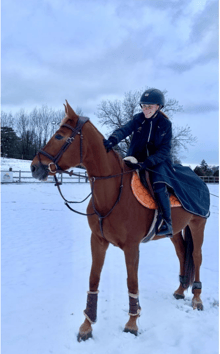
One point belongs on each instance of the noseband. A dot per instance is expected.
(77, 130)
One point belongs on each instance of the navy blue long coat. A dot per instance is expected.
(151, 142)
(151, 138)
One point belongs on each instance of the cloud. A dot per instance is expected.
(206, 107)
(205, 22)
(86, 51)
(201, 46)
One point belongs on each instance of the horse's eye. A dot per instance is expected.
(58, 137)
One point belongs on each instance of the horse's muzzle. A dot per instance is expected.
(40, 171)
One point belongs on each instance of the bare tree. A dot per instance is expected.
(114, 114)
(182, 138)
(34, 128)
(7, 120)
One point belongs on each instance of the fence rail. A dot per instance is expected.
(210, 179)
(26, 177)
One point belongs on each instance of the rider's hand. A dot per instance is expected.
(137, 166)
(134, 166)
(110, 143)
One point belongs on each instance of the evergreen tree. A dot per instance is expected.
(206, 169)
(199, 171)
(10, 143)
(216, 173)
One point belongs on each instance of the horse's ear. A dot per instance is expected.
(65, 108)
(69, 111)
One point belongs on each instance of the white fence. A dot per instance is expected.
(210, 179)
(26, 177)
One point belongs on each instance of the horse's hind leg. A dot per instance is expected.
(179, 245)
(132, 261)
(197, 226)
(99, 247)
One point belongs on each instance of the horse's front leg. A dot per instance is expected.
(98, 247)
(132, 261)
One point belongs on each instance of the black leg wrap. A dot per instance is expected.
(183, 281)
(196, 285)
(134, 305)
(91, 307)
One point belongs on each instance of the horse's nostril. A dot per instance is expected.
(33, 168)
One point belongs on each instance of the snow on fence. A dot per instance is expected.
(26, 177)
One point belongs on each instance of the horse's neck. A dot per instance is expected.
(96, 160)
(100, 164)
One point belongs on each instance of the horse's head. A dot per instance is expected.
(64, 148)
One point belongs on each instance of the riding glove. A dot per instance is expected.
(138, 166)
(146, 164)
(110, 143)
(134, 166)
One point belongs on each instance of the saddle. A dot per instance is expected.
(143, 191)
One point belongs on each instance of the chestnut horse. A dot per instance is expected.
(115, 216)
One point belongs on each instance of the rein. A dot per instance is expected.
(92, 181)
(58, 169)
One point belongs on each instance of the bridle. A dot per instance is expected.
(77, 130)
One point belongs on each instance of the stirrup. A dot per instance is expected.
(166, 232)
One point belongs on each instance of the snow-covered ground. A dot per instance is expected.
(46, 263)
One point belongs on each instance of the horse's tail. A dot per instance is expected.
(189, 271)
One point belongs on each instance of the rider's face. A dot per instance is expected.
(149, 109)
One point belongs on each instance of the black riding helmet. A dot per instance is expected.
(153, 96)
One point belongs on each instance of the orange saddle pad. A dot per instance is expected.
(144, 196)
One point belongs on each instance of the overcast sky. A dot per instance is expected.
(86, 51)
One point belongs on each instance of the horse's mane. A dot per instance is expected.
(66, 118)
(96, 129)
(115, 152)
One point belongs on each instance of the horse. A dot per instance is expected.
(115, 216)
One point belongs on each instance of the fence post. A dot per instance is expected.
(61, 178)
(19, 178)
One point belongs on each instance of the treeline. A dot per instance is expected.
(205, 170)
(23, 134)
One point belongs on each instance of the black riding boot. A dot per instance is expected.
(163, 201)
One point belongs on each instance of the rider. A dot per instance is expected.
(151, 146)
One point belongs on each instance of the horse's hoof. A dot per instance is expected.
(198, 306)
(132, 331)
(84, 337)
(178, 296)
